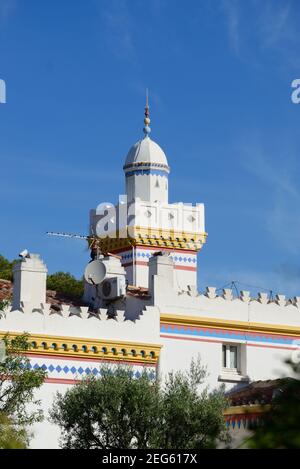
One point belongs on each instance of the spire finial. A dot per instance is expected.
(147, 121)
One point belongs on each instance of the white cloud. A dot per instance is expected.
(283, 223)
(277, 177)
(256, 26)
(118, 28)
(274, 23)
(281, 207)
(231, 11)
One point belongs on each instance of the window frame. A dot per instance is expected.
(227, 358)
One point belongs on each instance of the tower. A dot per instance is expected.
(147, 223)
(146, 169)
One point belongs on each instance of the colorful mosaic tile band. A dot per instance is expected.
(145, 255)
(223, 334)
(143, 172)
(80, 370)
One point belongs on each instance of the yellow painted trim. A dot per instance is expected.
(247, 409)
(83, 348)
(242, 326)
(153, 237)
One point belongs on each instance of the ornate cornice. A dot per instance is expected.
(93, 349)
(147, 172)
(246, 409)
(147, 165)
(153, 237)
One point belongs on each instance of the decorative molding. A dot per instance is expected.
(141, 164)
(143, 252)
(76, 371)
(246, 409)
(145, 264)
(91, 348)
(154, 249)
(139, 236)
(227, 324)
(245, 415)
(147, 172)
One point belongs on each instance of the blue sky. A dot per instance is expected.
(219, 74)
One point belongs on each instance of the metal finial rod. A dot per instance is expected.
(147, 121)
(147, 100)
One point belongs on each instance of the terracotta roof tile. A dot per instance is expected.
(256, 392)
(52, 297)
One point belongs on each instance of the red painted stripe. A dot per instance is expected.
(176, 267)
(193, 339)
(272, 346)
(183, 267)
(152, 248)
(238, 417)
(128, 264)
(232, 332)
(61, 381)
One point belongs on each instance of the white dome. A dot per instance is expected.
(146, 151)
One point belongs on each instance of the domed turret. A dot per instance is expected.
(146, 151)
(146, 169)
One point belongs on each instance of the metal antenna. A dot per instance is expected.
(92, 239)
(68, 235)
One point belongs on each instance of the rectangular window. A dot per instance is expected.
(230, 357)
(224, 355)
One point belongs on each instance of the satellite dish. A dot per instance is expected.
(95, 272)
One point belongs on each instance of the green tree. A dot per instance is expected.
(6, 268)
(64, 282)
(17, 386)
(111, 412)
(192, 419)
(118, 410)
(12, 436)
(280, 428)
(3, 305)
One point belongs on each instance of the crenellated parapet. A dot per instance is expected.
(244, 296)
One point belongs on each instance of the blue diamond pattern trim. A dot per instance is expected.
(143, 254)
(80, 370)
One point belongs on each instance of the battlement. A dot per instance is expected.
(77, 321)
(244, 296)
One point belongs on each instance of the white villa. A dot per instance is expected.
(141, 303)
